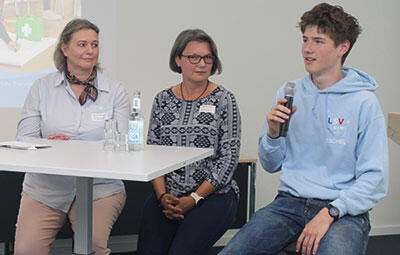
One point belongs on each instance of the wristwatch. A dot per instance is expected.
(197, 199)
(333, 212)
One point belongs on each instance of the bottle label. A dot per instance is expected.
(136, 103)
(135, 132)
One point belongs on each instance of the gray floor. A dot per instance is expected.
(384, 245)
(378, 245)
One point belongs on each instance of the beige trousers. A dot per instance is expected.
(38, 224)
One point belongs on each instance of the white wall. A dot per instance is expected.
(259, 45)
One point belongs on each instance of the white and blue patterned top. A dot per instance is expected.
(209, 122)
(50, 108)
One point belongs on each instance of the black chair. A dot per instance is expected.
(10, 188)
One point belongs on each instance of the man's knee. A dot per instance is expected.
(348, 235)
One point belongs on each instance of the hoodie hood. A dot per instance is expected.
(354, 80)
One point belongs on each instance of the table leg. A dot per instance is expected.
(252, 198)
(84, 222)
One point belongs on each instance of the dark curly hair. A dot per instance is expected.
(333, 21)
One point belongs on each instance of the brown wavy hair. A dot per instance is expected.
(333, 21)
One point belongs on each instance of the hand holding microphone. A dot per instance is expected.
(279, 116)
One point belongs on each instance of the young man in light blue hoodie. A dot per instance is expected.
(334, 159)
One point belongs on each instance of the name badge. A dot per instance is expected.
(207, 108)
(101, 116)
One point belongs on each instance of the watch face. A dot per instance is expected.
(200, 201)
(197, 199)
(334, 212)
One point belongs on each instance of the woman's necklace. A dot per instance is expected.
(183, 97)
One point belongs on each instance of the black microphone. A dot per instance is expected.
(290, 89)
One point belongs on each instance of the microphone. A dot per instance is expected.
(290, 89)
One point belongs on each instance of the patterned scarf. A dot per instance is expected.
(89, 91)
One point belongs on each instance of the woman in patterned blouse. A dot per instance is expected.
(192, 207)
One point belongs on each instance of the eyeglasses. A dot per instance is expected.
(195, 59)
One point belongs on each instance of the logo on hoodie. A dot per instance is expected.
(336, 123)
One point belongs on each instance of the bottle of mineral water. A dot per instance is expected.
(136, 125)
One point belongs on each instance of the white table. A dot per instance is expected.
(86, 160)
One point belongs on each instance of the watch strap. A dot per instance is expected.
(196, 197)
(333, 212)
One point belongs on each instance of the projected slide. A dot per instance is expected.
(26, 50)
(29, 31)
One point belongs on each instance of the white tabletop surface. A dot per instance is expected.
(87, 159)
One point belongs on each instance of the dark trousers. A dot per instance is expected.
(196, 234)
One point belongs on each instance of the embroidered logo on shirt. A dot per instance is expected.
(335, 141)
(336, 123)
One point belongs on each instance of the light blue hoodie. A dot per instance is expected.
(336, 147)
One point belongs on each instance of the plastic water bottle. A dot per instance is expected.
(136, 125)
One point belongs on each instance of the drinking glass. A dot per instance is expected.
(121, 142)
(110, 130)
